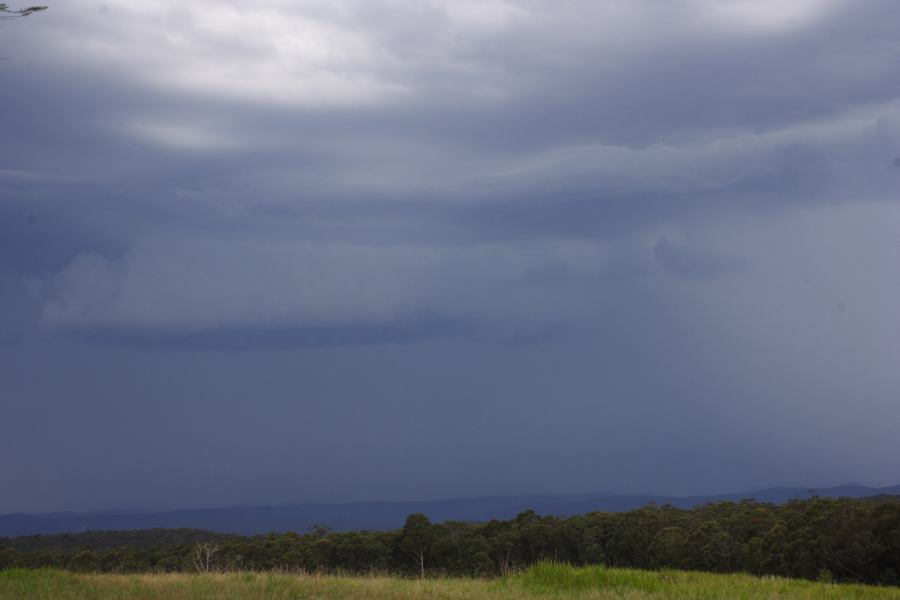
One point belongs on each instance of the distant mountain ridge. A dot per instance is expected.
(248, 520)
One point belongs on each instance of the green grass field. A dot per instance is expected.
(541, 581)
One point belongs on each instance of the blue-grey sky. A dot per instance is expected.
(275, 251)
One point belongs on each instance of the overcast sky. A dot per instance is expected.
(275, 251)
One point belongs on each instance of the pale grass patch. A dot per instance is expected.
(545, 581)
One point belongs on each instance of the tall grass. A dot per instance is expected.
(546, 580)
(557, 579)
(551, 577)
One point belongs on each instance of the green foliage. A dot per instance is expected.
(417, 540)
(850, 540)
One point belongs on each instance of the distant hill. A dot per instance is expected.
(388, 515)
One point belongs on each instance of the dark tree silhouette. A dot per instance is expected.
(834, 540)
(12, 13)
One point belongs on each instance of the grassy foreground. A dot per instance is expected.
(546, 580)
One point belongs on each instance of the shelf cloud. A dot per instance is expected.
(554, 234)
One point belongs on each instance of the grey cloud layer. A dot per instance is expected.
(196, 286)
(643, 214)
(599, 113)
(574, 76)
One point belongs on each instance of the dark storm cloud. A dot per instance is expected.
(686, 261)
(638, 212)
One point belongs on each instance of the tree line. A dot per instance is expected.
(844, 539)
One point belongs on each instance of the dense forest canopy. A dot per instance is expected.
(826, 539)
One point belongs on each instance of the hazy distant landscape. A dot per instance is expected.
(250, 520)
